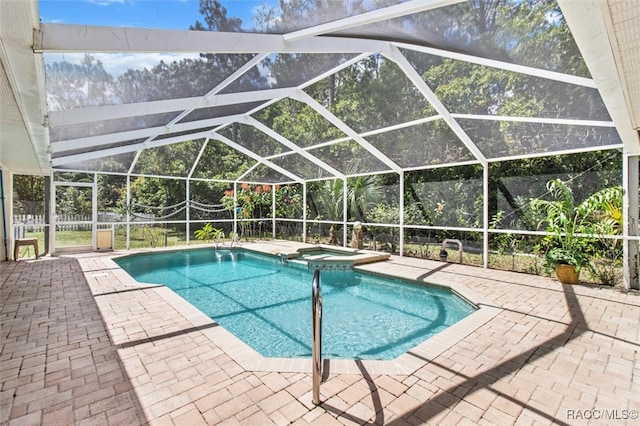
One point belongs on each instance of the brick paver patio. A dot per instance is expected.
(82, 343)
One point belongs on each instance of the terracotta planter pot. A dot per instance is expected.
(567, 274)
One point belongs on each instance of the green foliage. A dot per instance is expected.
(73, 200)
(208, 233)
(157, 192)
(250, 202)
(451, 197)
(289, 201)
(28, 194)
(368, 95)
(326, 199)
(255, 202)
(363, 192)
(574, 225)
(573, 256)
(383, 213)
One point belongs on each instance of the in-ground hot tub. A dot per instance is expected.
(334, 258)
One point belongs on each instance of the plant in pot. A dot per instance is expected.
(566, 262)
(573, 227)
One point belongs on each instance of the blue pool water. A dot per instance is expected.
(267, 304)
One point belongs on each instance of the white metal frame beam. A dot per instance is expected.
(109, 138)
(70, 38)
(507, 66)
(384, 14)
(292, 146)
(307, 99)
(63, 38)
(396, 56)
(69, 159)
(255, 156)
(111, 112)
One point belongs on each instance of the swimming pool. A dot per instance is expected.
(267, 303)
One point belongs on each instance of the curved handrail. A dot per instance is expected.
(316, 347)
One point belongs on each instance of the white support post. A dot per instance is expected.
(273, 211)
(188, 217)
(345, 213)
(304, 211)
(128, 245)
(401, 203)
(235, 211)
(52, 219)
(131, 169)
(485, 215)
(631, 261)
(94, 212)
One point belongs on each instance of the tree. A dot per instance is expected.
(78, 85)
(29, 195)
(363, 192)
(215, 18)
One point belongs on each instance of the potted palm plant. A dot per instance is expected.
(573, 227)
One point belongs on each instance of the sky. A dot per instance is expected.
(161, 14)
(164, 14)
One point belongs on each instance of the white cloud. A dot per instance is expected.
(106, 2)
(118, 63)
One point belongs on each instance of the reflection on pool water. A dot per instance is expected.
(267, 303)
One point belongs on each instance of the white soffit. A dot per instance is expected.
(610, 66)
(24, 140)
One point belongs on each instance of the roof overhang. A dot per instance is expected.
(24, 141)
(608, 40)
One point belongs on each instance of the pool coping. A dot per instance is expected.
(249, 359)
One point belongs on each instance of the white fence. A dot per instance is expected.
(39, 219)
(65, 222)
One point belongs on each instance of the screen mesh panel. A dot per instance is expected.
(220, 161)
(116, 163)
(253, 139)
(349, 158)
(371, 94)
(467, 88)
(422, 145)
(298, 123)
(177, 159)
(506, 31)
(286, 70)
(301, 166)
(502, 139)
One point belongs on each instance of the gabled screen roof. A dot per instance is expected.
(319, 89)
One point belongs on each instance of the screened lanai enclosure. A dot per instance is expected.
(425, 122)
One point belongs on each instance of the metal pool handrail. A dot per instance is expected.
(316, 347)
